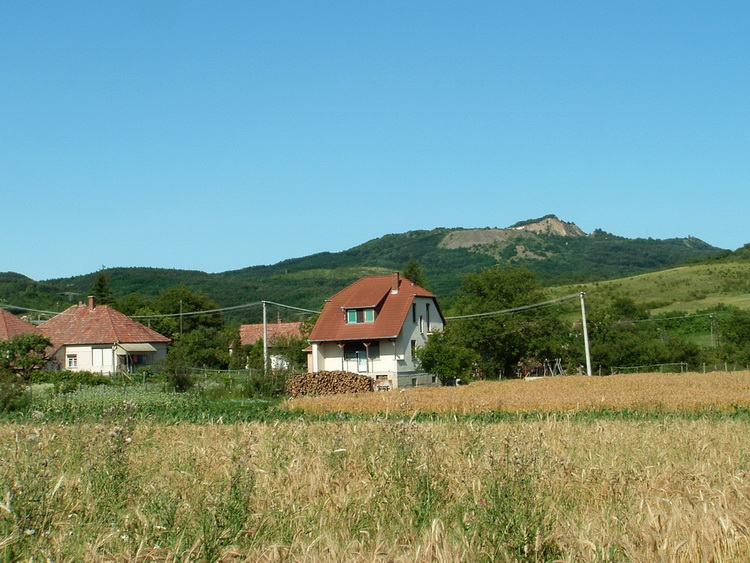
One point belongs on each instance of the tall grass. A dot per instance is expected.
(555, 489)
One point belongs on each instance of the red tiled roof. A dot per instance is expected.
(10, 325)
(250, 334)
(81, 324)
(368, 293)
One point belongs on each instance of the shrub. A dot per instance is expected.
(69, 381)
(12, 391)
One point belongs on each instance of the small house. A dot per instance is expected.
(97, 338)
(374, 327)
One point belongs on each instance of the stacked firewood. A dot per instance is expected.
(327, 383)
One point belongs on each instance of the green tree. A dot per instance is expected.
(131, 303)
(20, 356)
(183, 303)
(503, 340)
(24, 354)
(446, 359)
(292, 350)
(148, 316)
(413, 272)
(619, 338)
(101, 290)
(735, 336)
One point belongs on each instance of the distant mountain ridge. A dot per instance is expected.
(559, 251)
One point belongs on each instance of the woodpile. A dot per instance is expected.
(327, 383)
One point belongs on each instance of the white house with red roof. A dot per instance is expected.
(10, 326)
(100, 339)
(374, 327)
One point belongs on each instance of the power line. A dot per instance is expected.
(193, 313)
(163, 315)
(659, 319)
(293, 308)
(8, 306)
(515, 309)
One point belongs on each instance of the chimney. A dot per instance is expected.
(395, 281)
(92, 302)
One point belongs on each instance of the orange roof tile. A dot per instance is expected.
(250, 334)
(10, 325)
(100, 324)
(373, 292)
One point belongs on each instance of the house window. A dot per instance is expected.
(414, 312)
(72, 360)
(413, 349)
(428, 317)
(357, 316)
(421, 324)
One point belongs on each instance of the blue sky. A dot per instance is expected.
(218, 135)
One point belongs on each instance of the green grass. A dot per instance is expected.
(686, 289)
(108, 404)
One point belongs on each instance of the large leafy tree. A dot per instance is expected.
(503, 340)
(23, 354)
(197, 337)
(620, 338)
(735, 336)
(443, 357)
(183, 303)
(19, 357)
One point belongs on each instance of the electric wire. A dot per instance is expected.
(515, 309)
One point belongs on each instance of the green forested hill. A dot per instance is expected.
(559, 252)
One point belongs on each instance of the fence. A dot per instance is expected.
(681, 367)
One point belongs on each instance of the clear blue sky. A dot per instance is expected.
(218, 135)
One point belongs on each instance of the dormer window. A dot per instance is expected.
(359, 316)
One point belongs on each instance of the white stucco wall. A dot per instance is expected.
(416, 328)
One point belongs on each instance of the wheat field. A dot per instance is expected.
(651, 392)
(552, 487)
(550, 490)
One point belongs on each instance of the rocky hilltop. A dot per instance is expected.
(549, 225)
(514, 241)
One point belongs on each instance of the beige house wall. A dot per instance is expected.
(103, 359)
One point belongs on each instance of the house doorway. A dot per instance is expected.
(362, 363)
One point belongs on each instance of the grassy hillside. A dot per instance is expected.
(687, 289)
(307, 281)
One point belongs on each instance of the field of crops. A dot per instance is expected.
(649, 392)
(128, 479)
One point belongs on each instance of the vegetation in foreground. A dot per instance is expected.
(548, 490)
(137, 473)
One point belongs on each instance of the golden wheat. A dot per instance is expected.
(646, 391)
(670, 490)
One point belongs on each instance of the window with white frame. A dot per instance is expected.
(71, 360)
